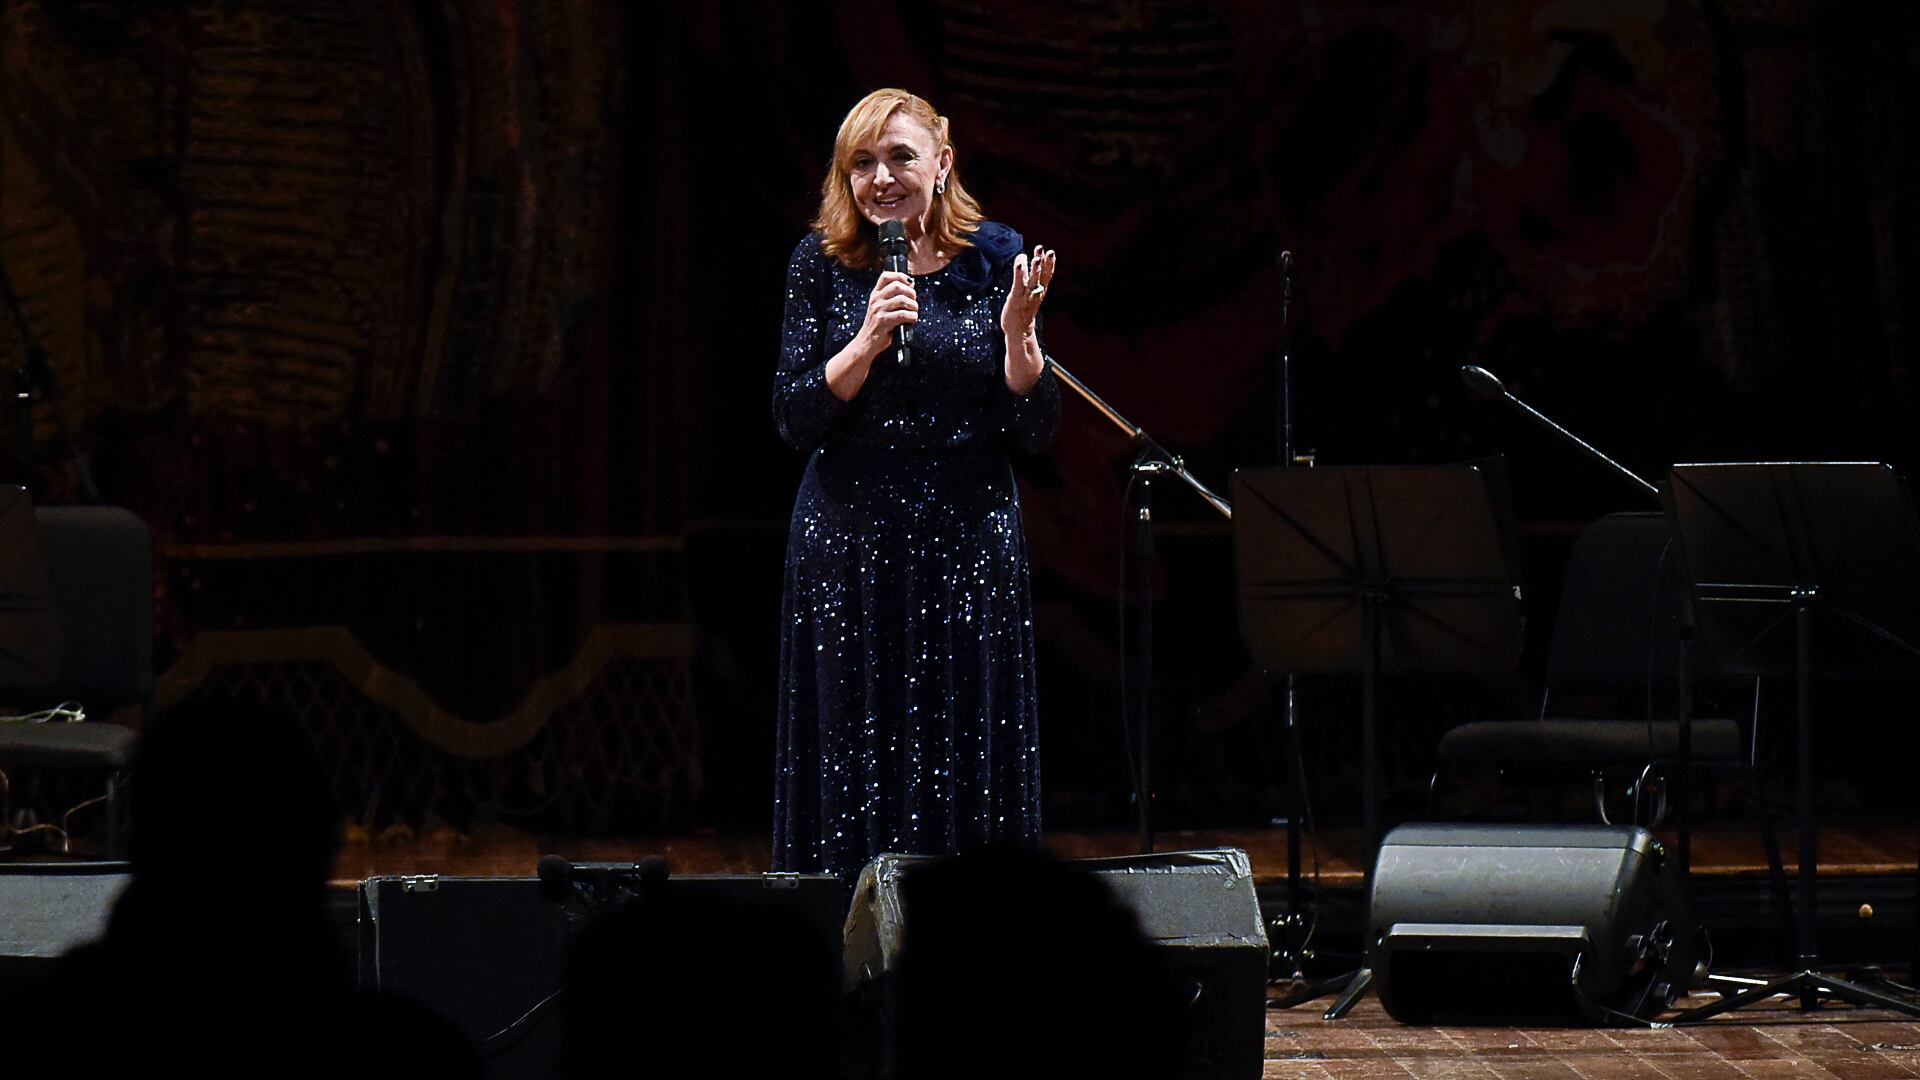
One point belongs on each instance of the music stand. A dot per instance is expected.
(1371, 570)
(1797, 569)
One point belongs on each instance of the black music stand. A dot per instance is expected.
(1372, 570)
(1801, 569)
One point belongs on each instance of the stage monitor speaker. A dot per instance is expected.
(1529, 922)
(1197, 907)
(48, 908)
(483, 951)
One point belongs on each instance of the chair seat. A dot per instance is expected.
(1587, 743)
(61, 745)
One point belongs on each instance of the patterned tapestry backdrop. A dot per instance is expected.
(434, 337)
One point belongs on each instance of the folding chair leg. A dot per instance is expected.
(113, 815)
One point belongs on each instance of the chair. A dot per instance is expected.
(99, 562)
(1617, 640)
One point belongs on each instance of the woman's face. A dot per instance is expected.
(893, 176)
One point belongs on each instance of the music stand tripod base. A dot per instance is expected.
(1801, 569)
(1807, 986)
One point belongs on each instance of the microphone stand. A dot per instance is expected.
(35, 375)
(1151, 460)
(1295, 919)
(1285, 425)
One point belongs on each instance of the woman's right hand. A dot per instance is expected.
(892, 304)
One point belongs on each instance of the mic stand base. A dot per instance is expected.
(1357, 986)
(1297, 989)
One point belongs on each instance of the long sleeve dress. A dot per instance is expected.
(907, 720)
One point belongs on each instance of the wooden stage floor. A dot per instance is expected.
(1772, 1040)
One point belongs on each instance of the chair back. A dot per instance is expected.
(99, 563)
(1622, 608)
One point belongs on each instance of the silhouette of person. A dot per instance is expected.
(670, 983)
(217, 956)
(1014, 964)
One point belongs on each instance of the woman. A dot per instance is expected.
(907, 715)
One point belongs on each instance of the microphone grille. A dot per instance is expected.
(556, 874)
(1481, 381)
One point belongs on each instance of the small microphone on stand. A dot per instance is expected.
(559, 875)
(556, 877)
(1482, 382)
(893, 256)
(1286, 286)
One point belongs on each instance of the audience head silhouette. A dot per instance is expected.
(671, 982)
(218, 958)
(1013, 963)
(232, 791)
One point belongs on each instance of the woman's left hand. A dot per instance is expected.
(1031, 281)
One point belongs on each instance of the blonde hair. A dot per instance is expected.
(846, 234)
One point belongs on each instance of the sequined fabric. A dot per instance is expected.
(907, 720)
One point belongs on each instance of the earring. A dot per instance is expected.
(940, 186)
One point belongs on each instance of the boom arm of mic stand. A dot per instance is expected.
(1168, 462)
(1582, 444)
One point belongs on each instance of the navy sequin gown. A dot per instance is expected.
(907, 720)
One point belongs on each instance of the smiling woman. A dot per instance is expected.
(907, 718)
(893, 162)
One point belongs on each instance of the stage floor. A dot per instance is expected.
(1771, 1040)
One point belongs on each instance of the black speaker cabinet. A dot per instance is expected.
(482, 951)
(48, 908)
(1197, 907)
(1505, 922)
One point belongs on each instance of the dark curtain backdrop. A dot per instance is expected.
(434, 337)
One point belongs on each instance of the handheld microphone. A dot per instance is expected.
(893, 256)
